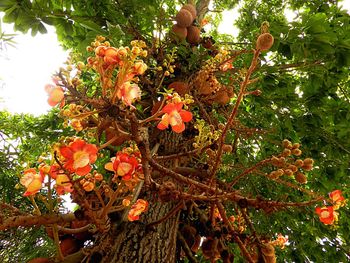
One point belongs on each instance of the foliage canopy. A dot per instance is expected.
(298, 90)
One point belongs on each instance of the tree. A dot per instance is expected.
(213, 140)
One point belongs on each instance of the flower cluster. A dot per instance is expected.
(328, 214)
(126, 61)
(75, 157)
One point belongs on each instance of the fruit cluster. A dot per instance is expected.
(288, 166)
(184, 28)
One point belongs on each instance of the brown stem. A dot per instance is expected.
(185, 248)
(248, 171)
(250, 224)
(242, 247)
(233, 115)
(73, 230)
(177, 155)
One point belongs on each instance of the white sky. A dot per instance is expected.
(26, 69)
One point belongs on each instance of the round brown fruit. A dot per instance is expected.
(193, 35)
(191, 9)
(180, 87)
(308, 161)
(301, 178)
(227, 148)
(207, 42)
(69, 246)
(296, 152)
(180, 32)
(184, 18)
(264, 42)
(222, 97)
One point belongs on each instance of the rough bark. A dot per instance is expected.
(137, 243)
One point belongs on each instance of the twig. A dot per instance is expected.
(73, 230)
(233, 115)
(248, 171)
(237, 239)
(185, 248)
(250, 224)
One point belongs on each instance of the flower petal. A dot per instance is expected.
(109, 166)
(186, 116)
(83, 170)
(179, 128)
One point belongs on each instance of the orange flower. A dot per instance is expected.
(204, 22)
(136, 209)
(32, 181)
(56, 95)
(77, 125)
(123, 165)
(336, 196)
(226, 66)
(110, 55)
(217, 214)
(175, 116)
(326, 214)
(128, 93)
(79, 156)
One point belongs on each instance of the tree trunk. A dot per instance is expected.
(134, 242)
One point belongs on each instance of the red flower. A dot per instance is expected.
(136, 209)
(123, 165)
(336, 196)
(175, 116)
(79, 156)
(32, 181)
(326, 214)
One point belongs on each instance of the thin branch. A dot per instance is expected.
(234, 112)
(73, 230)
(248, 171)
(185, 248)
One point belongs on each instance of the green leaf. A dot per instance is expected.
(89, 25)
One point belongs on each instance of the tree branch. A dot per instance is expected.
(28, 221)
